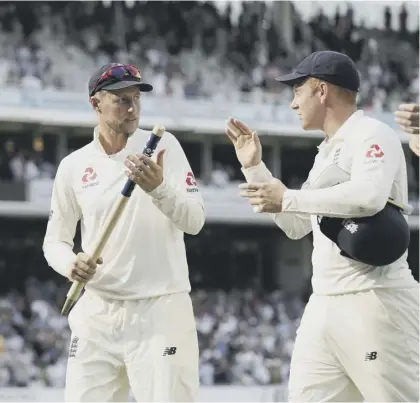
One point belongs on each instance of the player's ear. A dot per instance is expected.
(95, 103)
(323, 90)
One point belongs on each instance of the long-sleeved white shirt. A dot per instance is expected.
(145, 255)
(370, 154)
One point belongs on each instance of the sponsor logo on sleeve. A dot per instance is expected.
(374, 154)
(191, 183)
(375, 151)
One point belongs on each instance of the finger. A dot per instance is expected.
(250, 194)
(238, 132)
(409, 107)
(410, 116)
(234, 130)
(404, 122)
(134, 160)
(257, 209)
(146, 175)
(415, 145)
(160, 157)
(251, 186)
(410, 130)
(255, 137)
(76, 277)
(130, 165)
(91, 264)
(231, 135)
(148, 162)
(134, 178)
(100, 261)
(256, 201)
(80, 264)
(242, 127)
(139, 178)
(82, 274)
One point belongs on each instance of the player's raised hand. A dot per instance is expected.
(145, 172)
(246, 142)
(83, 268)
(407, 116)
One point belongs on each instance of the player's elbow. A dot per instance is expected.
(197, 223)
(295, 235)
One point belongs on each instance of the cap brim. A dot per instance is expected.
(144, 87)
(292, 78)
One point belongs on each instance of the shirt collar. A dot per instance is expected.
(344, 129)
(99, 147)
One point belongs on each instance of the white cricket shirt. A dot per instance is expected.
(145, 255)
(370, 154)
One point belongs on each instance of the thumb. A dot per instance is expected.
(255, 138)
(160, 156)
(100, 261)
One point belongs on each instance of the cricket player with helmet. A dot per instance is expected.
(134, 325)
(359, 335)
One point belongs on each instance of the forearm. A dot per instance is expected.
(295, 226)
(257, 173)
(346, 200)
(185, 212)
(59, 256)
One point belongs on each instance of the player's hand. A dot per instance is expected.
(415, 144)
(83, 269)
(265, 197)
(145, 172)
(407, 116)
(246, 142)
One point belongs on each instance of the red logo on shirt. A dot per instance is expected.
(90, 175)
(375, 152)
(190, 179)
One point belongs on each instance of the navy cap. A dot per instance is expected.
(378, 240)
(116, 83)
(333, 67)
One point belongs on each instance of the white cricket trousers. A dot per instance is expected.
(147, 345)
(358, 347)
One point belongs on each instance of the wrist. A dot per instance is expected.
(251, 164)
(159, 190)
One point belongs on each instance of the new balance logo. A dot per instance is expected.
(169, 351)
(73, 347)
(371, 356)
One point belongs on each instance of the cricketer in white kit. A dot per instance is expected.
(134, 326)
(359, 336)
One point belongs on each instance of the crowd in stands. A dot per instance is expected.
(244, 338)
(246, 324)
(194, 49)
(20, 164)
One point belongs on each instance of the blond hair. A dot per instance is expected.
(344, 94)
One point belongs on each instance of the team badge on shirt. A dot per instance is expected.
(89, 177)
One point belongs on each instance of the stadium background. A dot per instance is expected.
(207, 61)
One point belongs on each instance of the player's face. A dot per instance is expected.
(121, 109)
(309, 105)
